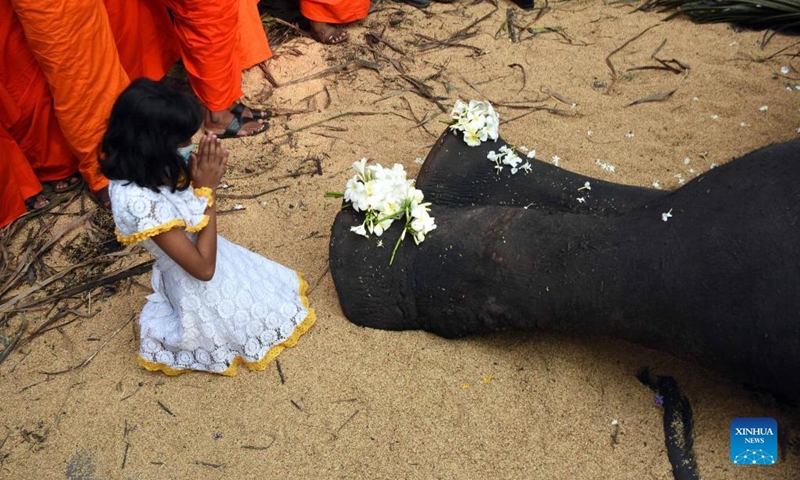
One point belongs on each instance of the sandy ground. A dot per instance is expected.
(367, 404)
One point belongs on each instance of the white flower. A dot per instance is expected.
(656, 185)
(360, 230)
(477, 120)
(614, 423)
(508, 156)
(589, 133)
(763, 108)
(586, 186)
(715, 117)
(785, 70)
(361, 167)
(666, 215)
(581, 200)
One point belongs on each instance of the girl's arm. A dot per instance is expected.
(199, 260)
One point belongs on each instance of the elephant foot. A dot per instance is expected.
(371, 292)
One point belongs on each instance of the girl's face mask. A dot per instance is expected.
(186, 152)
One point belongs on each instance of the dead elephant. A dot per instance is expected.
(718, 282)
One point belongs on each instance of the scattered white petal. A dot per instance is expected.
(686, 161)
(680, 178)
(691, 170)
(763, 108)
(581, 200)
(605, 166)
(556, 159)
(531, 154)
(785, 70)
(695, 99)
(732, 44)
(589, 133)
(629, 135)
(744, 125)
(614, 423)
(380, 243)
(714, 165)
(797, 129)
(666, 215)
(419, 160)
(238, 206)
(656, 185)
(715, 117)
(797, 87)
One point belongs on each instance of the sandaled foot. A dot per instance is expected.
(70, 183)
(327, 33)
(101, 198)
(245, 112)
(36, 202)
(227, 124)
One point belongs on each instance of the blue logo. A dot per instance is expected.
(754, 441)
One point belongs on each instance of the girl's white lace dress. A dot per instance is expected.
(251, 310)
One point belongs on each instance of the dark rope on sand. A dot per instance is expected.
(677, 424)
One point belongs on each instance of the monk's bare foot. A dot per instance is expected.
(226, 124)
(36, 202)
(327, 33)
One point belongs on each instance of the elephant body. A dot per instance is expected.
(717, 282)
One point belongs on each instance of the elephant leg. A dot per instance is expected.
(456, 174)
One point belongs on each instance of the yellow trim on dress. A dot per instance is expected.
(271, 354)
(206, 193)
(164, 227)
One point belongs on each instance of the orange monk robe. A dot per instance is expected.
(207, 35)
(144, 37)
(252, 46)
(73, 44)
(17, 180)
(26, 111)
(334, 11)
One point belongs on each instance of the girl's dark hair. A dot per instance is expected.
(148, 121)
